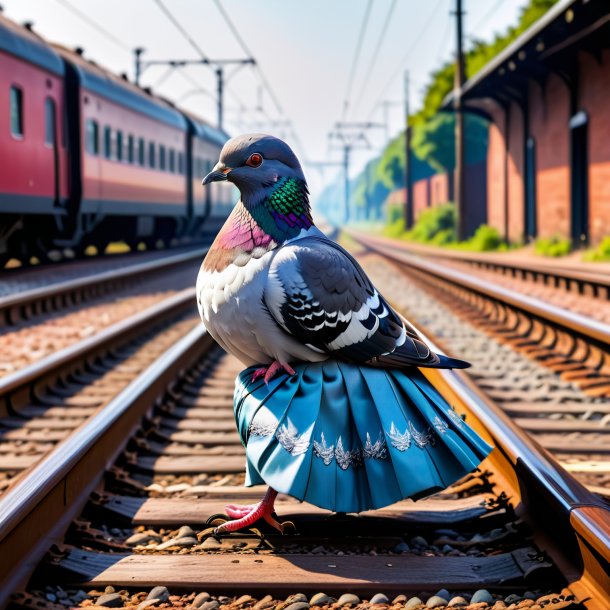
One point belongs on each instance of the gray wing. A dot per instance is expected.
(320, 295)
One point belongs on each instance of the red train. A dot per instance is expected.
(89, 158)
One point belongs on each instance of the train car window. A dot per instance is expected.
(107, 142)
(92, 141)
(119, 145)
(49, 121)
(141, 152)
(151, 155)
(16, 111)
(162, 157)
(180, 163)
(130, 148)
(172, 160)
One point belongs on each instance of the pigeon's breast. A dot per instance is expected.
(230, 304)
(232, 307)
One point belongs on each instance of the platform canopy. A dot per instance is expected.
(550, 45)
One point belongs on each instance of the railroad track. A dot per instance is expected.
(513, 339)
(29, 303)
(595, 284)
(126, 503)
(43, 403)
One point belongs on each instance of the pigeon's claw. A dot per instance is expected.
(269, 372)
(248, 515)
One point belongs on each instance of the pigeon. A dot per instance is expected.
(332, 402)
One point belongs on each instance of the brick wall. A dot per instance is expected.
(594, 99)
(495, 171)
(549, 118)
(421, 196)
(516, 173)
(439, 189)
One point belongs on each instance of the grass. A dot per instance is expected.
(599, 254)
(552, 246)
(436, 226)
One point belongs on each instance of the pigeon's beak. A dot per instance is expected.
(220, 172)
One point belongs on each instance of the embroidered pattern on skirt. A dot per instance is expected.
(377, 450)
(455, 417)
(401, 441)
(289, 438)
(323, 451)
(440, 425)
(345, 459)
(263, 425)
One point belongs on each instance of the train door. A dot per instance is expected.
(51, 140)
(530, 188)
(579, 179)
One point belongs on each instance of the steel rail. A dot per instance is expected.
(597, 281)
(37, 510)
(21, 381)
(590, 330)
(15, 306)
(574, 520)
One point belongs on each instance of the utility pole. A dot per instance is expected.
(460, 190)
(217, 64)
(220, 95)
(409, 212)
(350, 135)
(137, 52)
(346, 152)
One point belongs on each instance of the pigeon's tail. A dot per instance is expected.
(399, 359)
(445, 362)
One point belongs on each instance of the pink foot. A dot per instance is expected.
(243, 516)
(271, 371)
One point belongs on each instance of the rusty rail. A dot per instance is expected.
(597, 283)
(35, 513)
(25, 304)
(590, 330)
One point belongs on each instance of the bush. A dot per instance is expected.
(485, 239)
(435, 225)
(601, 253)
(395, 228)
(553, 246)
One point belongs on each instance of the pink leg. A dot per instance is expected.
(262, 510)
(271, 371)
(235, 511)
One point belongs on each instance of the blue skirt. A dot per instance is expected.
(350, 438)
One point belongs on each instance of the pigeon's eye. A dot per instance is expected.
(254, 160)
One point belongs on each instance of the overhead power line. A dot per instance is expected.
(410, 50)
(180, 28)
(98, 28)
(259, 71)
(375, 56)
(352, 72)
(246, 50)
(444, 40)
(485, 18)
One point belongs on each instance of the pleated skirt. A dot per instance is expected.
(350, 438)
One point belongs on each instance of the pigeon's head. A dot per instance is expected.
(255, 163)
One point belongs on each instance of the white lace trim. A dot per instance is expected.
(287, 435)
(289, 438)
(345, 459)
(440, 425)
(323, 451)
(455, 417)
(377, 450)
(263, 424)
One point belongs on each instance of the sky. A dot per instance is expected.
(308, 64)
